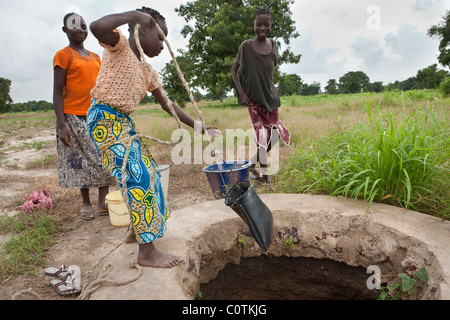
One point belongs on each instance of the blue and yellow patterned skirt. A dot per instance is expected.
(111, 130)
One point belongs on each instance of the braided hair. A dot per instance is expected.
(263, 10)
(155, 15)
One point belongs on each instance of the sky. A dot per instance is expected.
(386, 39)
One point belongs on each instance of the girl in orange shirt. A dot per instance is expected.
(75, 74)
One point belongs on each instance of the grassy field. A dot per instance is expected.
(388, 147)
(391, 149)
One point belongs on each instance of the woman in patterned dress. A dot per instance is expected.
(123, 82)
(75, 72)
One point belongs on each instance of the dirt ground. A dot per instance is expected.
(86, 241)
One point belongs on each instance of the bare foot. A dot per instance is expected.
(131, 236)
(149, 256)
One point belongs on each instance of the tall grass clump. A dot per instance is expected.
(402, 163)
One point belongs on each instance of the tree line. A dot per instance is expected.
(215, 30)
(358, 81)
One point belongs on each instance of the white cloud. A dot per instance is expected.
(335, 38)
(385, 39)
(369, 50)
(31, 35)
(408, 43)
(421, 5)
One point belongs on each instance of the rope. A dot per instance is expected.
(27, 291)
(180, 75)
(214, 152)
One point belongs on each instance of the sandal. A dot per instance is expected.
(72, 285)
(64, 288)
(256, 175)
(103, 212)
(61, 273)
(87, 213)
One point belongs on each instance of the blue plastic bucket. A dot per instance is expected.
(230, 171)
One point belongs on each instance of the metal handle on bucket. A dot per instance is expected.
(223, 180)
(113, 201)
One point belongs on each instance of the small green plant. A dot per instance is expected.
(405, 284)
(241, 242)
(288, 243)
(46, 160)
(37, 145)
(199, 295)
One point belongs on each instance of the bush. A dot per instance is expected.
(445, 87)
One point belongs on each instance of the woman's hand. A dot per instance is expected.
(213, 131)
(245, 99)
(64, 136)
(104, 29)
(144, 20)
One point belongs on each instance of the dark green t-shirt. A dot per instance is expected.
(257, 75)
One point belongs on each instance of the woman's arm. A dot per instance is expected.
(103, 28)
(185, 118)
(234, 75)
(59, 81)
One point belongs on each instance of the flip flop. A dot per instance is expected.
(102, 212)
(64, 288)
(87, 214)
(61, 273)
(72, 285)
(254, 174)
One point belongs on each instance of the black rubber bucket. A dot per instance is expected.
(243, 199)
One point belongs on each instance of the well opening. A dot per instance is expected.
(311, 256)
(267, 277)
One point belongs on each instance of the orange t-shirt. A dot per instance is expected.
(80, 79)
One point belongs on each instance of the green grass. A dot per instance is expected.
(400, 160)
(387, 147)
(30, 236)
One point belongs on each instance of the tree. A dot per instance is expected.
(376, 86)
(172, 82)
(5, 98)
(332, 87)
(442, 31)
(289, 84)
(310, 89)
(405, 85)
(31, 106)
(353, 82)
(148, 99)
(430, 77)
(219, 29)
(408, 84)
